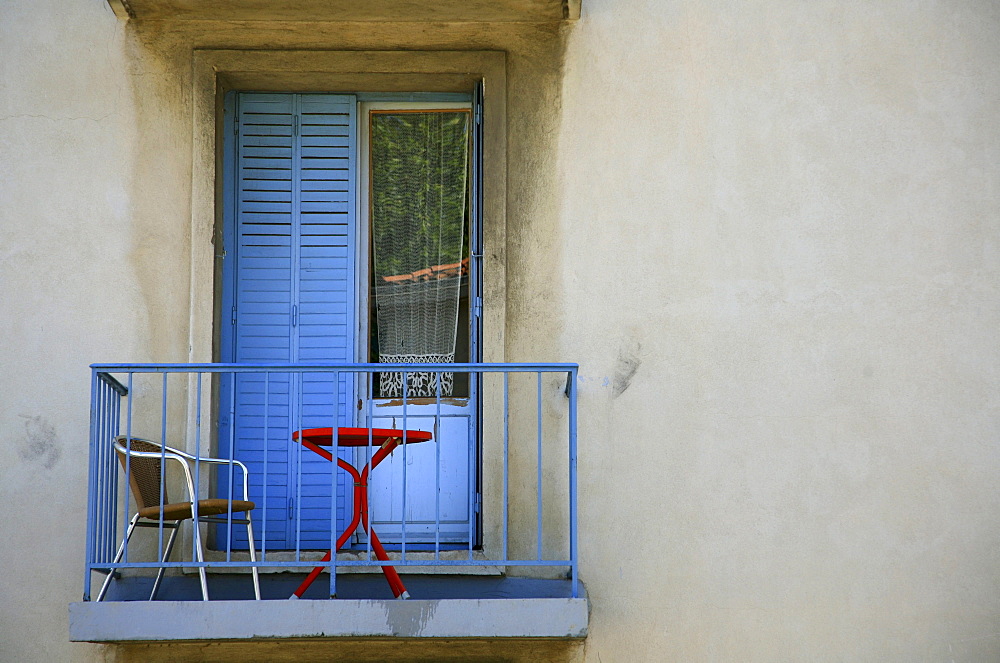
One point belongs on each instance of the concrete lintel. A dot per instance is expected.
(540, 11)
(162, 621)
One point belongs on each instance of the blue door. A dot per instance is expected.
(289, 296)
(293, 286)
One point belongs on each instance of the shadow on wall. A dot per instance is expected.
(361, 650)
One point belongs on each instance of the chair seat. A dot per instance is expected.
(182, 510)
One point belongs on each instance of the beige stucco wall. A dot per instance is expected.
(781, 224)
(769, 235)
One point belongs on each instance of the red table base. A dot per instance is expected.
(386, 439)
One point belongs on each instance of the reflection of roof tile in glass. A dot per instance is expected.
(433, 273)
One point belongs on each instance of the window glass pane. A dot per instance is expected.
(419, 181)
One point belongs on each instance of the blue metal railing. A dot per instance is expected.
(523, 418)
(106, 394)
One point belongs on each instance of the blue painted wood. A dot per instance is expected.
(476, 294)
(288, 281)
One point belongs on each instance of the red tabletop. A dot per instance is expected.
(359, 437)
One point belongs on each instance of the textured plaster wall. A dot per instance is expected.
(781, 223)
(768, 233)
(71, 234)
(96, 139)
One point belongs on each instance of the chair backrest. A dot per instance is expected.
(144, 473)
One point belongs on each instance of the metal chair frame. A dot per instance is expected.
(123, 447)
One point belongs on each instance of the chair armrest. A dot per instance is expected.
(207, 459)
(223, 461)
(185, 459)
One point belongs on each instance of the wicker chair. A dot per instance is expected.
(142, 461)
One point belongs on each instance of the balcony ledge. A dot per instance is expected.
(169, 621)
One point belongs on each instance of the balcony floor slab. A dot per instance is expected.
(442, 607)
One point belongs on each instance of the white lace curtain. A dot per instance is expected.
(419, 170)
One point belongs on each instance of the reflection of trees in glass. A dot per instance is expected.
(419, 163)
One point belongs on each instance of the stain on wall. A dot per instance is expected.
(409, 620)
(39, 443)
(627, 365)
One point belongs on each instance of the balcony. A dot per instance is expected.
(470, 491)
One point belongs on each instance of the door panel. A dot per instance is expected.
(430, 485)
(291, 243)
(409, 476)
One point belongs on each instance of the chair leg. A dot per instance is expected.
(166, 556)
(253, 558)
(118, 556)
(201, 558)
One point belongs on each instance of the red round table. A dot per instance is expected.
(385, 439)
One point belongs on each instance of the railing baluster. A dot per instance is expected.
(231, 470)
(538, 397)
(437, 467)
(368, 462)
(128, 466)
(163, 465)
(197, 463)
(506, 459)
(405, 450)
(104, 449)
(471, 474)
(572, 484)
(102, 424)
(266, 445)
(335, 451)
(297, 410)
(110, 468)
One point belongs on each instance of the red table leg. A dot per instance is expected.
(360, 517)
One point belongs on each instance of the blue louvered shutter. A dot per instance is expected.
(326, 172)
(290, 284)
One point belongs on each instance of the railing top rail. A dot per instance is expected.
(113, 382)
(545, 367)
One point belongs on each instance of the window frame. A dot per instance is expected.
(215, 72)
